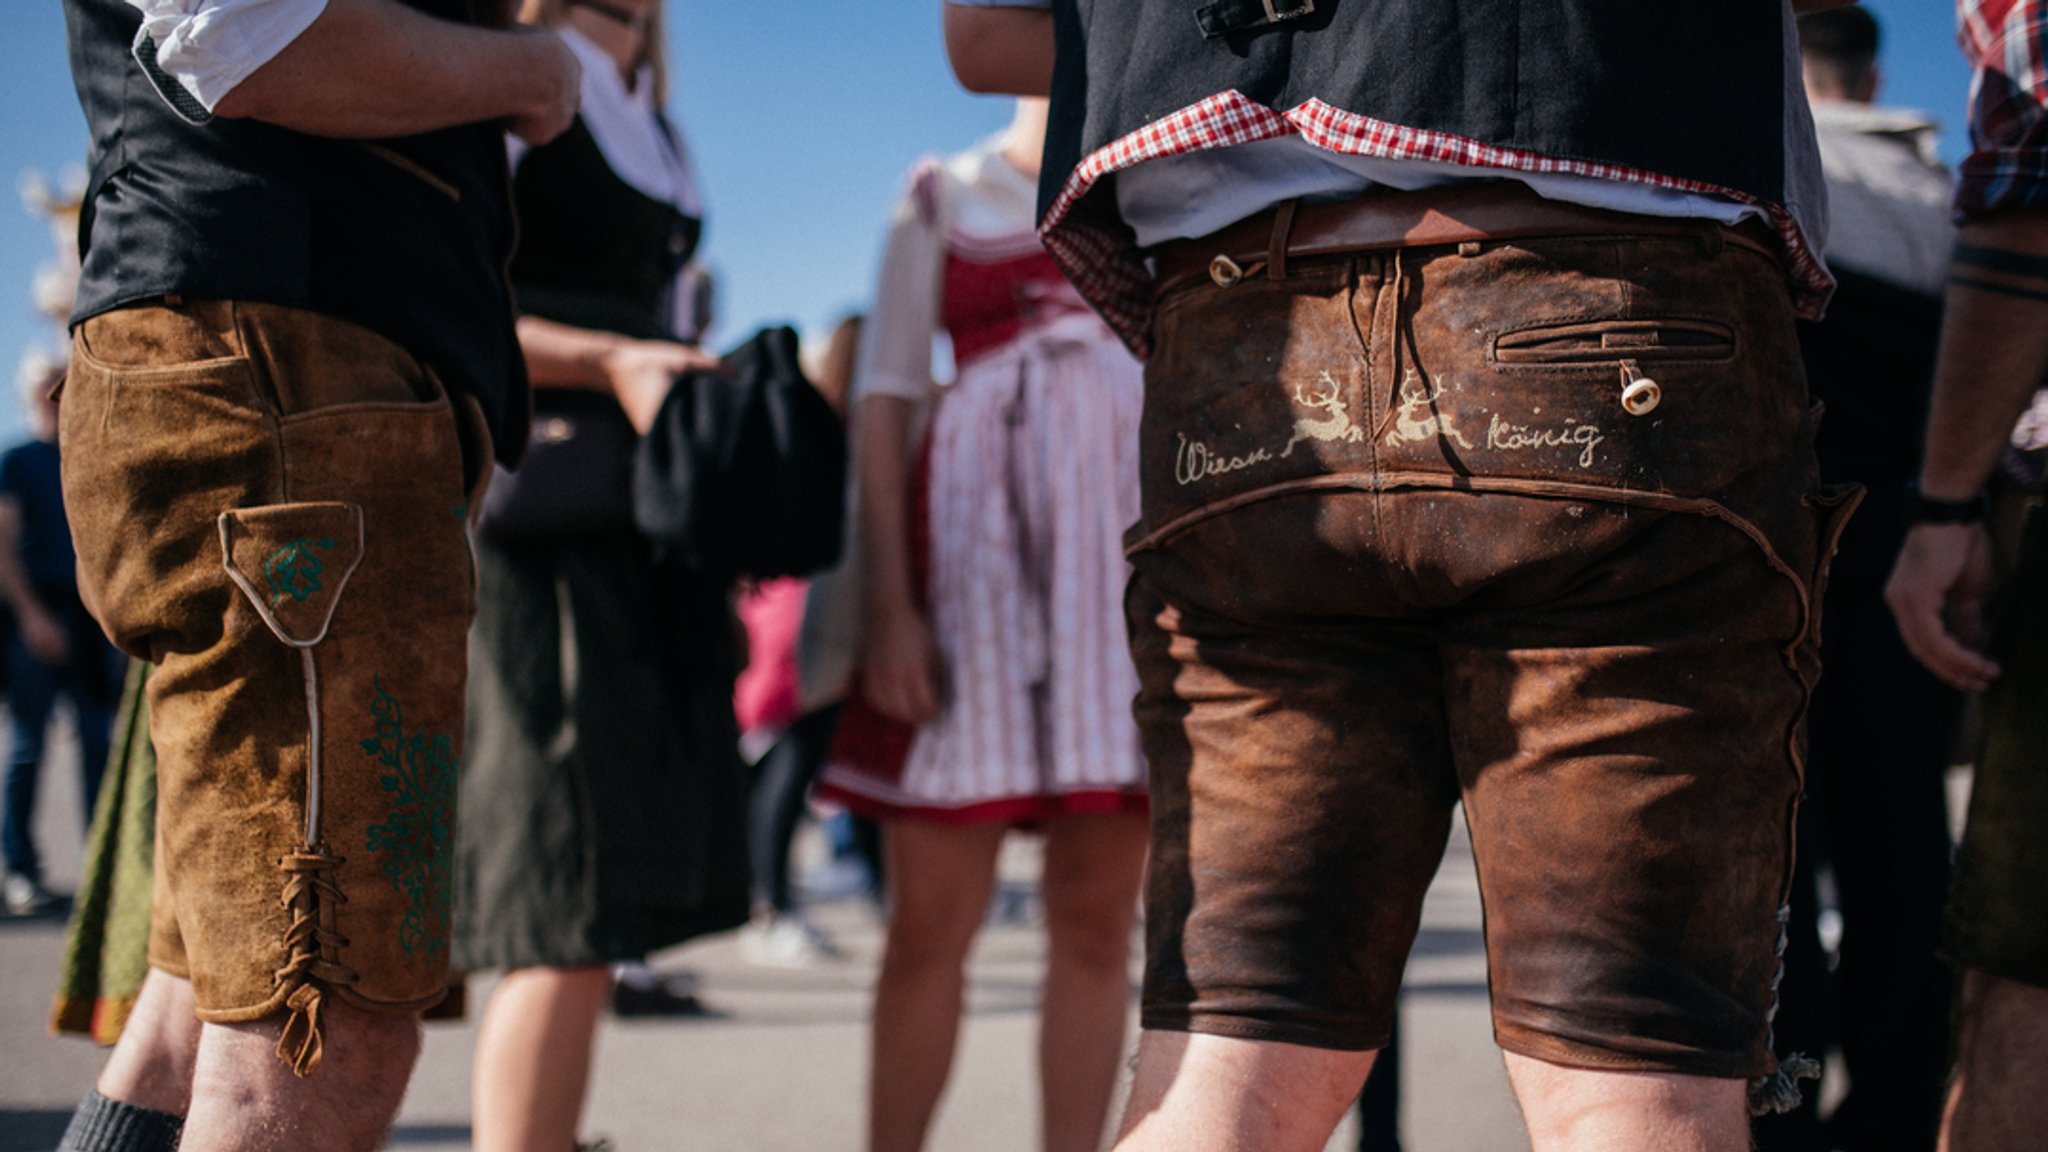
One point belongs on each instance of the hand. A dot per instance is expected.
(900, 673)
(1937, 592)
(559, 78)
(642, 371)
(44, 638)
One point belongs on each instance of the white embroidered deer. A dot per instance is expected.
(1335, 425)
(1416, 396)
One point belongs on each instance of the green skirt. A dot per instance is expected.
(106, 949)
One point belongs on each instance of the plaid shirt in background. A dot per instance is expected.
(2006, 42)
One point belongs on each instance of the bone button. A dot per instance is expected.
(1641, 396)
(1225, 272)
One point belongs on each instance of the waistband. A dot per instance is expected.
(1426, 218)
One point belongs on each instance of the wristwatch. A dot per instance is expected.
(1927, 510)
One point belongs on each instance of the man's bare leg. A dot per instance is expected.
(1589, 1110)
(1195, 1092)
(153, 1062)
(1999, 1098)
(245, 1099)
(140, 1099)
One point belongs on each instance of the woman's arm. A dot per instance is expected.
(636, 372)
(901, 672)
(900, 669)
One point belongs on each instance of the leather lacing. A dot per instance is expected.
(1779, 1091)
(312, 947)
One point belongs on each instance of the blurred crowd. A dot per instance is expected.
(1390, 452)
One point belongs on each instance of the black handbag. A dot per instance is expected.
(744, 470)
(577, 477)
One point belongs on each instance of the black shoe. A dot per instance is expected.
(659, 1000)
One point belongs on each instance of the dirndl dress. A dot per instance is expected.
(1020, 497)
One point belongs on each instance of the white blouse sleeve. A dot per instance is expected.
(896, 347)
(197, 51)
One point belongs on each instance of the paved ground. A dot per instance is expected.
(782, 1071)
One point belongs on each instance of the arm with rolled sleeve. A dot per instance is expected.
(359, 69)
(1994, 343)
(197, 51)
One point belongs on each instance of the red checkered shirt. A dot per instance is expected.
(1103, 260)
(2006, 42)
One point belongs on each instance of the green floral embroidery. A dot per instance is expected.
(294, 570)
(417, 841)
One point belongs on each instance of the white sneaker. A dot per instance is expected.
(25, 897)
(787, 940)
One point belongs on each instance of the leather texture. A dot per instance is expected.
(1403, 546)
(273, 507)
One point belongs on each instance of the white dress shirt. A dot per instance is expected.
(209, 46)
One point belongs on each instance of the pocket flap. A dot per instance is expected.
(292, 561)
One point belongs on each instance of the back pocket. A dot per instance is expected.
(1605, 342)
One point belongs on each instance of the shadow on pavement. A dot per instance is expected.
(429, 1134)
(57, 913)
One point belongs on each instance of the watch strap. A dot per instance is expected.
(1922, 509)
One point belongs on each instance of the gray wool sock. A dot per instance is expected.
(103, 1125)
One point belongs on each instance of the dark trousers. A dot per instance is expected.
(1873, 817)
(90, 679)
(782, 782)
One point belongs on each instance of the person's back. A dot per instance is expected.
(1473, 465)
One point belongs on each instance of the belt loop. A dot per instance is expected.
(1713, 239)
(1283, 228)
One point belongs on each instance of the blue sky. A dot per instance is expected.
(802, 117)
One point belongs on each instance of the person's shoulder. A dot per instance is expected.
(1845, 123)
(925, 186)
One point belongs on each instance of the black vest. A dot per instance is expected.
(1693, 89)
(407, 237)
(594, 251)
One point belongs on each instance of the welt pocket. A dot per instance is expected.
(1606, 342)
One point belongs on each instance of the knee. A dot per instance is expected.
(1092, 934)
(346, 1101)
(2002, 1020)
(367, 1057)
(375, 1048)
(932, 935)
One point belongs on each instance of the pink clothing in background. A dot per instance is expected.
(766, 695)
